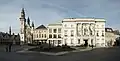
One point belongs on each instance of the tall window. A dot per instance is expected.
(50, 30)
(54, 36)
(71, 41)
(59, 35)
(39, 35)
(78, 41)
(65, 41)
(72, 32)
(42, 35)
(103, 33)
(55, 30)
(97, 33)
(50, 35)
(59, 41)
(45, 35)
(65, 31)
(71, 25)
(59, 30)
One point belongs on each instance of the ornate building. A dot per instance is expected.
(109, 37)
(40, 34)
(84, 31)
(78, 31)
(71, 31)
(26, 30)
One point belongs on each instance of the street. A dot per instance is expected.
(101, 54)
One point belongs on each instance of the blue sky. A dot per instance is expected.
(50, 11)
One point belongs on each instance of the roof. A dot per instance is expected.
(108, 30)
(84, 19)
(41, 27)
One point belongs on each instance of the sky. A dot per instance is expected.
(51, 11)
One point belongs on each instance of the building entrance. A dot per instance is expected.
(86, 42)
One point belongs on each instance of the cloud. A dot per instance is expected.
(50, 11)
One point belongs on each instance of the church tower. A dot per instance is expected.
(10, 30)
(22, 26)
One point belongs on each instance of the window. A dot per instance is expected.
(97, 33)
(65, 40)
(92, 41)
(97, 39)
(103, 33)
(39, 35)
(71, 25)
(55, 30)
(59, 36)
(50, 30)
(65, 32)
(59, 30)
(44, 31)
(102, 26)
(59, 41)
(45, 35)
(103, 39)
(55, 36)
(65, 25)
(72, 32)
(78, 41)
(50, 36)
(42, 35)
(71, 41)
(97, 26)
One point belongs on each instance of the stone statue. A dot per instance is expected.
(85, 30)
(91, 29)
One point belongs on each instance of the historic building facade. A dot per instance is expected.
(40, 34)
(6, 38)
(71, 31)
(109, 37)
(78, 31)
(55, 34)
(84, 31)
(26, 30)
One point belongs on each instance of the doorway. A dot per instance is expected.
(86, 42)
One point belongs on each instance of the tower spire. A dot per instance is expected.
(10, 30)
(32, 24)
(22, 14)
(28, 21)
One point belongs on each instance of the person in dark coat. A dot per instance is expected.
(9, 47)
(6, 48)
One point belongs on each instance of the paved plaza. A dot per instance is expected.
(98, 54)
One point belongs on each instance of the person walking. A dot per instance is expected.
(92, 47)
(6, 48)
(10, 46)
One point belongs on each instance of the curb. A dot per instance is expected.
(55, 54)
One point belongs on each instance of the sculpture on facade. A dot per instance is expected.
(91, 29)
(85, 29)
(79, 29)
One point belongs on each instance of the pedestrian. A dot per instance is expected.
(10, 45)
(92, 46)
(6, 47)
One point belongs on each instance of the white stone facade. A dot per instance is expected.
(84, 31)
(55, 34)
(76, 32)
